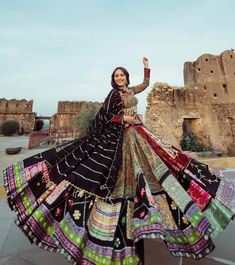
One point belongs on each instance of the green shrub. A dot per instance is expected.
(10, 127)
(84, 118)
(190, 142)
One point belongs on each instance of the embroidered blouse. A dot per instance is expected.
(129, 100)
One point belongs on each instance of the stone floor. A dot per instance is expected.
(14, 141)
(15, 249)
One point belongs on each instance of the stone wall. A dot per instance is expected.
(67, 112)
(206, 103)
(211, 69)
(20, 110)
(16, 106)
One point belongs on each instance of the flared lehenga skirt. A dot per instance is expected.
(160, 192)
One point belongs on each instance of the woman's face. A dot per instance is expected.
(120, 78)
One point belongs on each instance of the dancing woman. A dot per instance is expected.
(95, 198)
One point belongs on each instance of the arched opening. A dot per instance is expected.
(191, 125)
(190, 139)
(42, 123)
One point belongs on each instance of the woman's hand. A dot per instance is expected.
(146, 62)
(128, 119)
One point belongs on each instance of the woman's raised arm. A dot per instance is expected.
(141, 87)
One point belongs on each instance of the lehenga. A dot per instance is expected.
(94, 199)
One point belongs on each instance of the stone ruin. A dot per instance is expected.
(66, 113)
(205, 105)
(20, 110)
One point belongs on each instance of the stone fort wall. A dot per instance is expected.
(66, 113)
(20, 110)
(206, 102)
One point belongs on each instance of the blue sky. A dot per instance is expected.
(53, 50)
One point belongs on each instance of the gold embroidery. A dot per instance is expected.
(129, 217)
(46, 193)
(185, 220)
(173, 205)
(76, 214)
(81, 193)
(90, 205)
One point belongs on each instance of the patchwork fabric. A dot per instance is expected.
(226, 193)
(129, 218)
(103, 220)
(94, 199)
(198, 195)
(32, 170)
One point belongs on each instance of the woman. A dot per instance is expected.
(94, 199)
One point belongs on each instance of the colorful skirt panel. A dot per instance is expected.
(160, 192)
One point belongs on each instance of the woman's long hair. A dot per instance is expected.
(113, 83)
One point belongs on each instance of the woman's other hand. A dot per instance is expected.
(128, 119)
(146, 62)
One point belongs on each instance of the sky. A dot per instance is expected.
(55, 50)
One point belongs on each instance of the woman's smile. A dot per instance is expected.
(120, 78)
